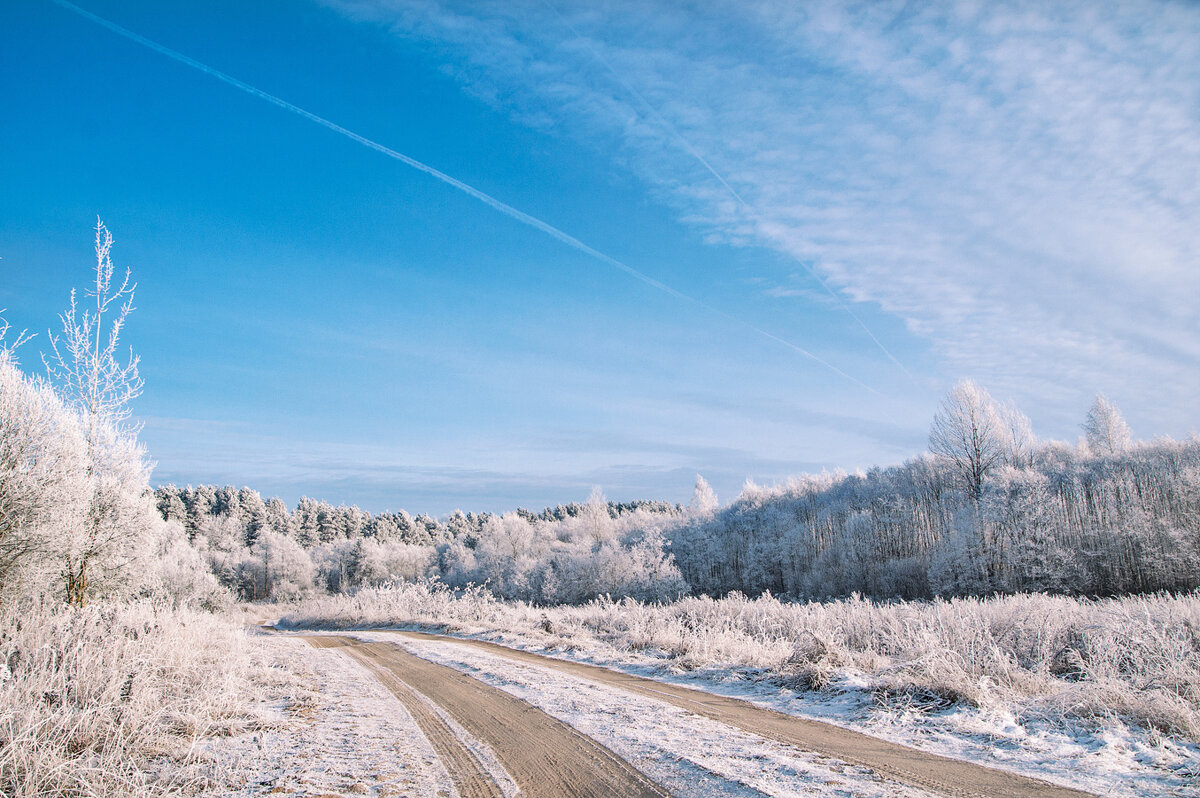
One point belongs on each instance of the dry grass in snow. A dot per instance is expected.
(110, 700)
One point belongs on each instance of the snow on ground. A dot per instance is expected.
(1110, 759)
(693, 757)
(332, 730)
(335, 730)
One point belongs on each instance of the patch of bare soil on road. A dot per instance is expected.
(544, 756)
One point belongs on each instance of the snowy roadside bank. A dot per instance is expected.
(1070, 728)
(330, 728)
(111, 699)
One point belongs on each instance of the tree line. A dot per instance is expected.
(259, 548)
(1068, 519)
(988, 509)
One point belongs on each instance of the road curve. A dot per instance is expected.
(544, 756)
(893, 761)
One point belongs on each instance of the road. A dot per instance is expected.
(546, 757)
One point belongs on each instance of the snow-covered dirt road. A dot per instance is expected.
(541, 755)
(550, 727)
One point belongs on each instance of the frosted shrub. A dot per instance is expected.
(42, 485)
(109, 700)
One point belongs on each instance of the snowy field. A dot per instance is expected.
(226, 713)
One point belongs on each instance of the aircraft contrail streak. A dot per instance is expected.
(653, 113)
(487, 199)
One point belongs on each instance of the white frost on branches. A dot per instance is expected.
(43, 487)
(975, 434)
(90, 378)
(84, 362)
(1105, 430)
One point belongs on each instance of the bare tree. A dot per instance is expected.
(1105, 429)
(970, 432)
(85, 367)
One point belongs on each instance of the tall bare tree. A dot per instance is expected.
(84, 365)
(969, 431)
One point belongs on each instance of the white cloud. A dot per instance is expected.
(1019, 182)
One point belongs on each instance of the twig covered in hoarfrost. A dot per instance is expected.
(21, 338)
(86, 366)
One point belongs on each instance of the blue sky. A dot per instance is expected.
(845, 208)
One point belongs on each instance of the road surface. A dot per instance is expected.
(544, 756)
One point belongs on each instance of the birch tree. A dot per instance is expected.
(84, 365)
(969, 432)
(1105, 429)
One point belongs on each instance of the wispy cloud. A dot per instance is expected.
(1018, 182)
(496, 204)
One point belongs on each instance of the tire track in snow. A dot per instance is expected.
(469, 775)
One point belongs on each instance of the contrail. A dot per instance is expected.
(659, 119)
(487, 199)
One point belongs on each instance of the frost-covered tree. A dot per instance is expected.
(223, 543)
(594, 522)
(704, 498)
(43, 486)
(84, 363)
(1019, 443)
(1105, 430)
(374, 563)
(287, 570)
(307, 522)
(174, 570)
(85, 367)
(253, 512)
(279, 519)
(199, 502)
(170, 503)
(969, 432)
